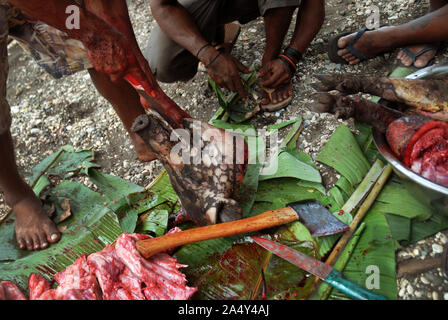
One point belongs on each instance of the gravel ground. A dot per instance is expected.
(50, 113)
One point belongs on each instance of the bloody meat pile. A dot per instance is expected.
(115, 273)
(415, 123)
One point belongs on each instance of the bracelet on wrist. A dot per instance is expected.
(203, 47)
(293, 54)
(213, 60)
(289, 63)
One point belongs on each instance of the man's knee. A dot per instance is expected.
(171, 69)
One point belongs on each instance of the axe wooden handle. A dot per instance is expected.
(268, 219)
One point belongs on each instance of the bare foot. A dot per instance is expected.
(370, 44)
(142, 150)
(34, 229)
(421, 61)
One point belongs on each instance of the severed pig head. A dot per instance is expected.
(205, 164)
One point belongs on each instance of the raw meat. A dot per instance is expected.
(160, 273)
(38, 286)
(76, 282)
(423, 147)
(9, 291)
(116, 281)
(114, 273)
(79, 281)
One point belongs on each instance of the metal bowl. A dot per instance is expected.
(427, 191)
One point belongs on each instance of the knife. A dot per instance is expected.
(319, 269)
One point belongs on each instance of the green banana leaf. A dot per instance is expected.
(342, 152)
(112, 187)
(290, 167)
(375, 251)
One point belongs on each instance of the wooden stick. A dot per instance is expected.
(363, 209)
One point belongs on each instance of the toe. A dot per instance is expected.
(36, 242)
(21, 242)
(29, 243)
(43, 241)
(343, 52)
(53, 237)
(51, 232)
(406, 61)
(343, 41)
(275, 97)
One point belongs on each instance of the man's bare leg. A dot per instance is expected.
(431, 28)
(34, 229)
(276, 22)
(126, 103)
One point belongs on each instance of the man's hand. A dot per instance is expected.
(274, 73)
(224, 70)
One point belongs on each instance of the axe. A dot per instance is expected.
(318, 220)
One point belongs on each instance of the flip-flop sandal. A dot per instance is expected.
(272, 107)
(333, 47)
(414, 56)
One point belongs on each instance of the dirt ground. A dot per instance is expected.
(49, 113)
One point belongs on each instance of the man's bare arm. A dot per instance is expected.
(309, 21)
(177, 24)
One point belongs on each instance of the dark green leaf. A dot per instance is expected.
(113, 187)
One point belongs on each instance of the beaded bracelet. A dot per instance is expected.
(292, 66)
(291, 57)
(293, 53)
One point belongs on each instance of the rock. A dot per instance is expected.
(434, 280)
(435, 295)
(415, 252)
(445, 296)
(437, 248)
(424, 280)
(418, 294)
(410, 289)
(443, 238)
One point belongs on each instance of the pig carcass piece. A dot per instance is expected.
(420, 142)
(207, 175)
(9, 291)
(76, 282)
(123, 274)
(207, 191)
(427, 97)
